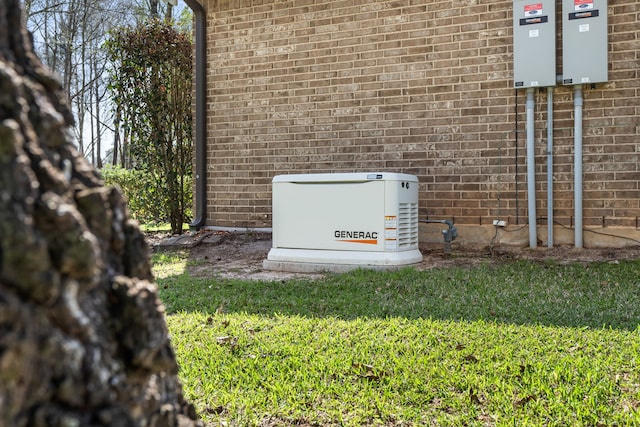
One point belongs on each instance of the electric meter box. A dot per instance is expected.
(584, 42)
(345, 218)
(534, 43)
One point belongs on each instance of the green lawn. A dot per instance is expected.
(519, 344)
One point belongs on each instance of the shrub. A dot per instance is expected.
(145, 202)
(151, 87)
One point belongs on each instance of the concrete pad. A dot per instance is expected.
(310, 267)
(190, 240)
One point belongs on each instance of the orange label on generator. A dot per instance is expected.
(366, 237)
(366, 242)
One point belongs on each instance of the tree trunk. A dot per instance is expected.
(116, 137)
(153, 8)
(96, 87)
(83, 339)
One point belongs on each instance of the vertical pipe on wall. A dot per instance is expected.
(517, 154)
(531, 173)
(550, 167)
(577, 163)
(200, 178)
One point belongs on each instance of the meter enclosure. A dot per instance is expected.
(584, 42)
(534, 43)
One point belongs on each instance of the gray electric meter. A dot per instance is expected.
(534, 43)
(584, 42)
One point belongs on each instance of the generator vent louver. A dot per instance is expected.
(407, 224)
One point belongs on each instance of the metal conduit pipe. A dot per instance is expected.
(531, 173)
(550, 167)
(200, 116)
(577, 163)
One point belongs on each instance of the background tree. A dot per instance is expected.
(151, 85)
(68, 37)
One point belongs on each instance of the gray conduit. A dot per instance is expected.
(550, 167)
(531, 173)
(577, 163)
(200, 175)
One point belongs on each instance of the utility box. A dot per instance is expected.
(362, 219)
(534, 43)
(584, 42)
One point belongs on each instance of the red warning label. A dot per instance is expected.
(534, 9)
(582, 5)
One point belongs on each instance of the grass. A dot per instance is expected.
(516, 344)
(169, 263)
(164, 227)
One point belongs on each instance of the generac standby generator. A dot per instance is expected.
(360, 219)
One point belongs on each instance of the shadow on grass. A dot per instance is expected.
(521, 292)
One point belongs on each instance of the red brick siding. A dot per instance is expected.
(420, 87)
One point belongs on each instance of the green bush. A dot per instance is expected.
(151, 87)
(139, 188)
(187, 202)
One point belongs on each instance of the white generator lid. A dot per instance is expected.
(345, 177)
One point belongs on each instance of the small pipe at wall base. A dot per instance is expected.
(200, 149)
(531, 173)
(577, 163)
(449, 234)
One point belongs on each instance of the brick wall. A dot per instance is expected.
(420, 87)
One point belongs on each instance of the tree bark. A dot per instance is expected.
(83, 340)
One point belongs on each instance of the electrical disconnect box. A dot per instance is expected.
(584, 42)
(534, 43)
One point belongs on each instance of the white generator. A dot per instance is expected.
(357, 219)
